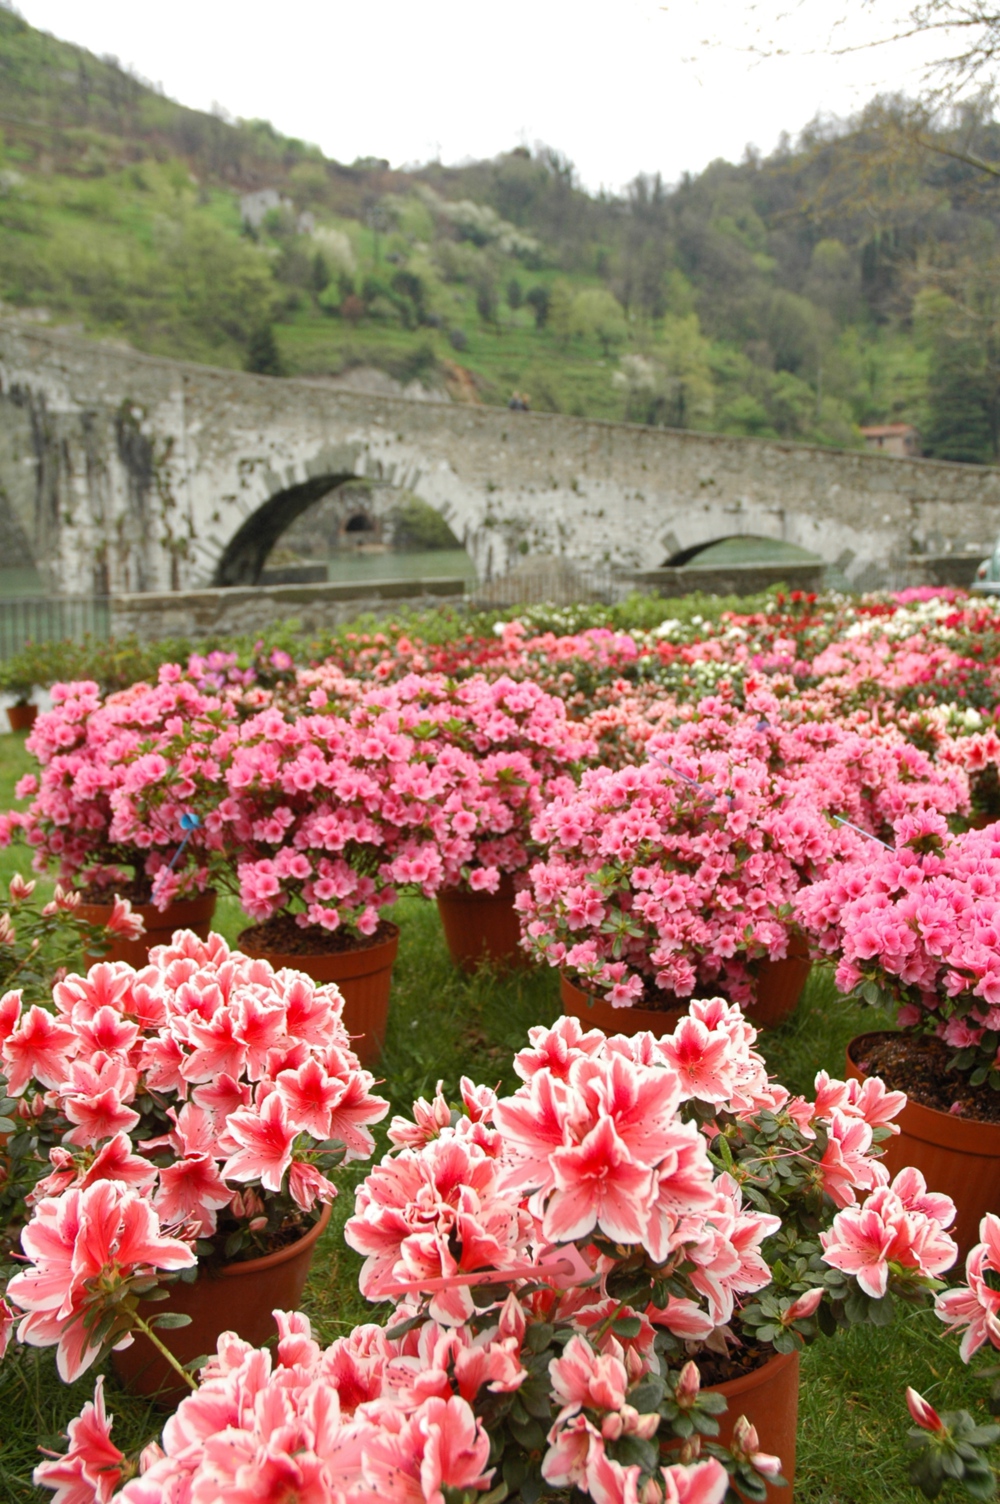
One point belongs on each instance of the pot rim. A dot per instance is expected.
(631, 1010)
(459, 893)
(382, 955)
(658, 1021)
(177, 906)
(279, 1256)
(945, 1129)
(771, 1368)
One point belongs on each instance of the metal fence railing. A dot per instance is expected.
(43, 618)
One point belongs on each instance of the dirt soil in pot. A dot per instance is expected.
(652, 997)
(919, 1066)
(281, 936)
(719, 1368)
(138, 891)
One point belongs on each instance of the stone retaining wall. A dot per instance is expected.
(190, 613)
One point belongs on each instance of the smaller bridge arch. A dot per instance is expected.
(754, 548)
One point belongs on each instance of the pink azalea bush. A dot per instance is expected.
(567, 1268)
(362, 792)
(92, 754)
(193, 1110)
(672, 876)
(918, 925)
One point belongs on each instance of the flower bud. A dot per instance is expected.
(257, 1224)
(650, 1492)
(20, 889)
(66, 899)
(923, 1413)
(745, 1438)
(806, 1305)
(512, 1319)
(8, 934)
(612, 1426)
(688, 1386)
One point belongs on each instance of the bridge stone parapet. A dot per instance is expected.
(126, 473)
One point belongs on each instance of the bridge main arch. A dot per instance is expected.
(243, 557)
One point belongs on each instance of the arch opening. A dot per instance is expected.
(246, 553)
(739, 548)
(343, 529)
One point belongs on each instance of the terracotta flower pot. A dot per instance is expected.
(21, 717)
(594, 1013)
(364, 976)
(239, 1298)
(958, 1156)
(780, 985)
(482, 927)
(769, 1398)
(186, 914)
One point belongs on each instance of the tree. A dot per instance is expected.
(560, 315)
(515, 296)
(598, 313)
(538, 300)
(486, 301)
(962, 407)
(263, 355)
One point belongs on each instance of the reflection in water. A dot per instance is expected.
(415, 564)
(21, 582)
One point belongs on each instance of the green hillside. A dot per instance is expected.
(852, 278)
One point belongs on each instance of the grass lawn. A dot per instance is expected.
(853, 1417)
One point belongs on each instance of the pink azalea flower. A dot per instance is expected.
(81, 1245)
(192, 1190)
(40, 1049)
(975, 1306)
(265, 1139)
(598, 1184)
(581, 1379)
(92, 1467)
(859, 1243)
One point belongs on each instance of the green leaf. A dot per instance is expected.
(539, 1336)
(169, 1320)
(627, 1327)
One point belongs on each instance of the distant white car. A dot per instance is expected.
(987, 581)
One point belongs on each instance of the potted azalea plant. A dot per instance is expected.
(667, 880)
(912, 927)
(622, 1226)
(17, 679)
(92, 752)
(192, 1113)
(597, 1286)
(521, 750)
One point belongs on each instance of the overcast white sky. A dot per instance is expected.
(618, 86)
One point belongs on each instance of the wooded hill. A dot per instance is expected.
(852, 277)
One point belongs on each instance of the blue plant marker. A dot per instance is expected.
(189, 822)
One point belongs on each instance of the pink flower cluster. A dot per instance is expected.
(921, 921)
(595, 1150)
(94, 757)
(673, 875)
(500, 1233)
(207, 1088)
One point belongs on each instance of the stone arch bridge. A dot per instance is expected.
(121, 472)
